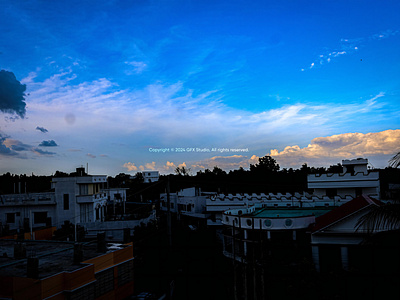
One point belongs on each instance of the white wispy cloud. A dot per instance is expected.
(92, 115)
(137, 67)
(349, 46)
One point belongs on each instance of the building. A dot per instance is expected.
(150, 176)
(335, 240)
(62, 270)
(355, 180)
(80, 198)
(190, 202)
(324, 190)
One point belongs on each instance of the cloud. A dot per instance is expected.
(347, 145)
(172, 115)
(138, 67)
(42, 129)
(130, 166)
(226, 163)
(148, 166)
(19, 149)
(5, 150)
(91, 155)
(41, 152)
(12, 94)
(49, 143)
(16, 145)
(349, 46)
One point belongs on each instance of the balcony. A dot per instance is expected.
(92, 198)
(28, 199)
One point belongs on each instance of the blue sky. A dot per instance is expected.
(112, 84)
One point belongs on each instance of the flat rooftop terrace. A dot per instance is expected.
(54, 257)
(292, 212)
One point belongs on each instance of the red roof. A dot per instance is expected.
(343, 211)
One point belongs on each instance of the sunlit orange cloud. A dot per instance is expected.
(341, 146)
(130, 166)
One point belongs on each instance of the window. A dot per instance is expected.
(331, 193)
(104, 282)
(358, 191)
(39, 217)
(66, 201)
(83, 189)
(10, 218)
(125, 273)
(350, 169)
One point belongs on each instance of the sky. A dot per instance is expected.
(126, 86)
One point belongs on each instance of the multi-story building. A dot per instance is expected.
(355, 180)
(150, 176)
(78, 199)
(325, 190)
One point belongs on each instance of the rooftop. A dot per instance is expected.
(292, 212)
(54, 257)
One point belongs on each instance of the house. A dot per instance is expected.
(335, 239)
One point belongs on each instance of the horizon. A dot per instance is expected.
(132, 86)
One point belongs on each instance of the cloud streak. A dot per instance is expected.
(347, 47)
(42, 129)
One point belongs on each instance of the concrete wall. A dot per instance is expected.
(115, 229)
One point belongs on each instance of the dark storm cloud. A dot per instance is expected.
(12, 96)
(50, 143)
(42, 129)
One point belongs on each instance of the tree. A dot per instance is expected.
(265, 164)
(385, 217)
(218, 171)
(394, 162)
(182, 171)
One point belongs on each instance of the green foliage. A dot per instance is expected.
(394, 162)
(265, 164)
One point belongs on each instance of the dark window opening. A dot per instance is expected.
(350, 169)
(358, 191)
(40, 217)
(331, 193)
(10, 217)
(66, 201)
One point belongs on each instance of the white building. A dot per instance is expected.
(354, 181)
(77, 199)
(27, 210)
(190, 202)
(80, 199)
(150, 176)
(329, 190)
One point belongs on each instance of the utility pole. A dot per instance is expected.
(169, 231)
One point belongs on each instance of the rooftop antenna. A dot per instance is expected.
(87, 168)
